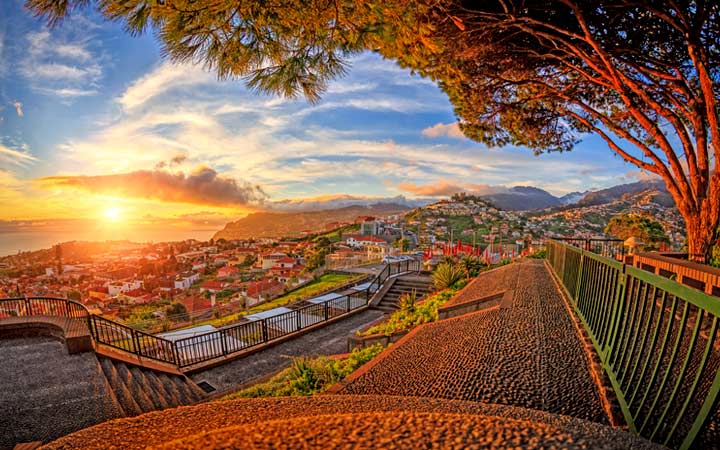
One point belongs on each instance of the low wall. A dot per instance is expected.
(70, 332)
(447, 312)
(368, 341)
(695, 275)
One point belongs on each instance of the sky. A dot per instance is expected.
(98, 131)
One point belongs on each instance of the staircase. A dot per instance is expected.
(138, 390)
(402, 286)
(46, 393)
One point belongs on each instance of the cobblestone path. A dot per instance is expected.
(526, 353)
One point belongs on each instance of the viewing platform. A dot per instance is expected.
(575, 351)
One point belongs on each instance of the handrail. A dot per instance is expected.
(657, 340)
(610, 248)
(207, 346)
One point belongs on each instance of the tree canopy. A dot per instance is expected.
(641, 74)
(648, 231)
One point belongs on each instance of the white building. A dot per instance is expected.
(185, 280)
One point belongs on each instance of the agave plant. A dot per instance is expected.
(407, 301)
(446, 275)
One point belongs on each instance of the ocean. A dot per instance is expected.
(14, 241)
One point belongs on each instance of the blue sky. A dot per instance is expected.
(87, 100)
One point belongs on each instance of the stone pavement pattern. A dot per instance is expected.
(349, 421)
(526, 354)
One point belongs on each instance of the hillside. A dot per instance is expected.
(617, 192)
(275, 225)
(522, 198)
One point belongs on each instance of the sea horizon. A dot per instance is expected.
(12, 242)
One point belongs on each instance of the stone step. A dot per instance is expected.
(123, 395)
(174, 397)
(154, 389)
(143, 399)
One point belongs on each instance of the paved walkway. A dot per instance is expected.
(525, 353)
(328, 340)
(46, 393)
(350, 422)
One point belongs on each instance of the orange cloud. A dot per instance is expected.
(451, 130)
(440, 189)
(204, 186)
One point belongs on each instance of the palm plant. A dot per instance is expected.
(447, 275)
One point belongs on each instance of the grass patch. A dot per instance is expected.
(323, 283)
(310, 376)
(408, 318)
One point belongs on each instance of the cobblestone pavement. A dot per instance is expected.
(488, 283)
(328, 340)
(348, 421)
(46, 393)
(524, 354)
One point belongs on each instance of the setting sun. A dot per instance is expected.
(113, 213)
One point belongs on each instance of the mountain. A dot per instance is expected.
(342, 201)
(572, 198)
(522, 198)
(617, 192)
(276, 224)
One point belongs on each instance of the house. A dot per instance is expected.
(135, 297)
(258, 291)
(197, 305)
(268, 260)
(185, 280)
(116, 288)
(212, 286)
(355, 240)
(227, 272)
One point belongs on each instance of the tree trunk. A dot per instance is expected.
(700, 237)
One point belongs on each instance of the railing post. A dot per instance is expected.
(264, 331)
(136, 342)
(348, 303)
(706, 411)
(578, 283)
(223, 341)
(27, 306)
(618, 299)
(298, 323)
(326, 311)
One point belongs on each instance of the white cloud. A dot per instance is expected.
(61, 63)
(163, 78)
(17, 157)
(290, 152)
(451, 130)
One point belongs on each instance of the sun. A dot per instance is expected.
(113, 213)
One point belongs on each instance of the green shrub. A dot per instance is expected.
(471, 265)
(404, 319)
(407, 302)
(540, 254)
(446, 275)
(309, 376)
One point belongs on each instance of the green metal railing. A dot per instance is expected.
(657, 340)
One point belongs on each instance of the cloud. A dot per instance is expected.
(163, 78)
(174, 161)
(204, 186)
(20, 158)
(18, 109)
(62, 64)
(442, 188)
(451, 130)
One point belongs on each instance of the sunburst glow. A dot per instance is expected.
(113, 214)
